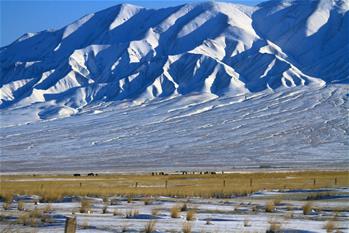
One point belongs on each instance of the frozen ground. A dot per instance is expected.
(241, 214)
(299, 127)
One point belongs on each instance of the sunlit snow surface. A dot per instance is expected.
(296, 127)
(198, 86)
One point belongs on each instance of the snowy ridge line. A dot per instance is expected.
(131, 54)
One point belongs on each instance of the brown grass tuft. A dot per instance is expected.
(48, 209)
(307, 208)
(34, 218)
(148, 201)
(274, 227)
(105, 200)
(191, 215)
(23, 219)
(269, 207)
(6, 205)
(175, 212)
(131, 213)
(330, 226)
(20, 205)
(186, 228)
(7, 197)
(277, 201)
(51, 196)
(149, 227)
(85, 206)
(35, 213)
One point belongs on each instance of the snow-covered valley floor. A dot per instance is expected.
(239, 214)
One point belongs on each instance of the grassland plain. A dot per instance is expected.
(254, 201)
(220, 185)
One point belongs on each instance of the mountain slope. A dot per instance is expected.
(131, 53)
(298, 128)
(314, 34)
(198, 86)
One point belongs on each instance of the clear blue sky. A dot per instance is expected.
(21, 16)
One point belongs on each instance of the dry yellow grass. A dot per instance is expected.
(54, 187)
(6, 205)
(48, 209)
(269, 207)
(23, 219)
(131, 213)
(20, 206)
(277, 201)
(330, 226)
(85, 206)
(274, 226)
(148, 201)
(149, 227)
(191, 215)
(175, 211)
(307, 208)
(186, 228)
(34, 218)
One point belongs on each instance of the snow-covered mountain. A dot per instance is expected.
(128, 52)
(198, 86)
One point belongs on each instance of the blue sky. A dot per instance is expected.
(19, 17)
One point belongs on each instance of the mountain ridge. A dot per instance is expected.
(132, 53)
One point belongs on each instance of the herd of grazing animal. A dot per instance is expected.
(89, 174)
(162, 173)
(185, 173)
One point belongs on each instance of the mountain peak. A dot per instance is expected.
(127, 52)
